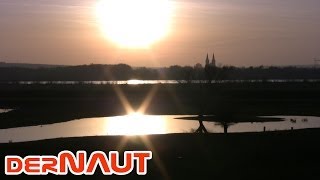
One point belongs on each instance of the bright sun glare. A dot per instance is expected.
(135, 124)
(134, 23)
(135, 82)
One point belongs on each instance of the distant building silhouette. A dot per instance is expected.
(210, 69)
(207, 60)
(213, 61)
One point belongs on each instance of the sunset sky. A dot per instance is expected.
(240, 32)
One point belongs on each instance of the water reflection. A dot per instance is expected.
(5, 110)
(135, 82)
(158, 81)
(137, 124)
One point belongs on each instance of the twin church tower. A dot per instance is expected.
(213, 61)
(207, 62)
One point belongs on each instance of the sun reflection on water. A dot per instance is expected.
(135, 82)
(136, 124)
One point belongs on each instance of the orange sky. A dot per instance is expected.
(241, 33)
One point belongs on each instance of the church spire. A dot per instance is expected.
(207, 59)
(213, 61)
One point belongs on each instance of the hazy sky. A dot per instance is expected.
(240, 32)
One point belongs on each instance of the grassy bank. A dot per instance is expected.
(270, 155)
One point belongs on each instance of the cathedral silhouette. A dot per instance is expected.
(213, 61)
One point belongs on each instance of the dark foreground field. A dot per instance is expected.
(270, 155)
(43, 104)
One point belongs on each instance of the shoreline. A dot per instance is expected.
(287, 154)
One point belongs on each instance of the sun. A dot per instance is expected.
(134, 23)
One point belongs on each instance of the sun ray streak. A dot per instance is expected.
(175, 99)
(144, 139)
(155, 156)
(145, 104)
(124, 101)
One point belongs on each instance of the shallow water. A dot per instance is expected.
(145, 124)
(5, 110)
(137, 82)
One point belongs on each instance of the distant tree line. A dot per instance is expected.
(96, 72)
